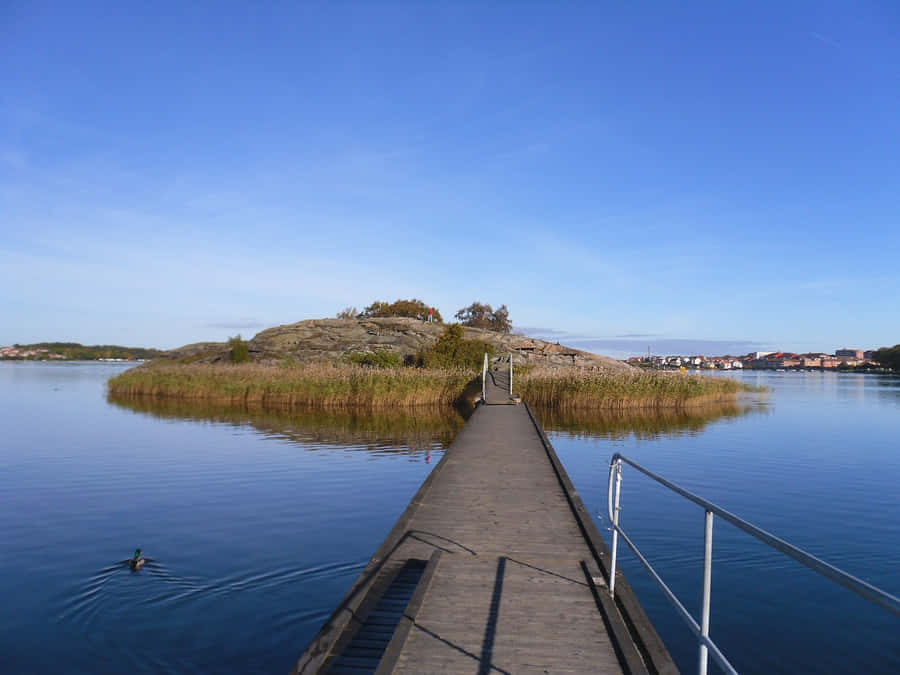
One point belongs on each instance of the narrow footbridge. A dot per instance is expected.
(494, 567)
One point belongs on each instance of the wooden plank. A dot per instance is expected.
(516, 588)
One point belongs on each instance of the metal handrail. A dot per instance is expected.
(706, 646)
(484, 370)
(510, 374)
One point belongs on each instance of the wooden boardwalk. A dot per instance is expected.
(510, 578)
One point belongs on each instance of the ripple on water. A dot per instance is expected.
(111, 591)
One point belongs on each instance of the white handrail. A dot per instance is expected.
(484, 370)
(706, 645)
(510, 374)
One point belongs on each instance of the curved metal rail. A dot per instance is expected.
(701, 630)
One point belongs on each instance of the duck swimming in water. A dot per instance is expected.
(137, 561)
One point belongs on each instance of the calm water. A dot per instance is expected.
(256, 524)
(816, 462)
(255, 531)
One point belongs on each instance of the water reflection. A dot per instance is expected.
(428, 428)
(643, 424)
(401, 430)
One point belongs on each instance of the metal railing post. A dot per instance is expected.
(707, 588)
(510, 374)
(614, 517)
(484, 378)
(707, 647)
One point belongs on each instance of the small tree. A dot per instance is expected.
(478, 315)
(500, 320)
(240, 352)
(348, 313)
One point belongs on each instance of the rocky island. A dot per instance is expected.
(318, 340)
(398, 361)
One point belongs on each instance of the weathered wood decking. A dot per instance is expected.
(513, 582)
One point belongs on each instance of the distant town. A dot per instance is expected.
(73, 351)
(44, 354)
(17, 353)
(842, 359)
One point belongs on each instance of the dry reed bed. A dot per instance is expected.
(336, 385)
(319, 385)
(598, 390)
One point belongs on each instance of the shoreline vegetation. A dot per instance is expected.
(349, 385)
(75, 351)
(322, 385)
(575, 389)
(444, 371)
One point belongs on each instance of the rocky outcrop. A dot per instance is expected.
(330, 339)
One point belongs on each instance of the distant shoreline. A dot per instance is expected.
(75, 351)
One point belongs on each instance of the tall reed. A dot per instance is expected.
(337, 385)
(571, 388)
(318, 384)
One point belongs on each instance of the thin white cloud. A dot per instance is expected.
(824, 39)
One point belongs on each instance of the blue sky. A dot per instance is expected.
(708, 176)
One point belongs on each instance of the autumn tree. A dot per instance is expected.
(478, 315)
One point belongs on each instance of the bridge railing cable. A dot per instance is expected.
(701, 631)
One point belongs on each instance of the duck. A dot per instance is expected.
(137, 561)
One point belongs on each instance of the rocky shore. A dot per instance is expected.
(317, 340)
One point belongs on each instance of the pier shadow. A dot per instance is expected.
(550, 572)
(490, 629)
(418, 534)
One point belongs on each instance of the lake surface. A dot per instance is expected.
(257, 523)
(816, 462)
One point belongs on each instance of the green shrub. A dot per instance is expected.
(383, 358)
(451, 350)
(240, 353)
